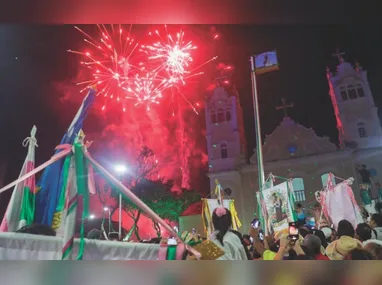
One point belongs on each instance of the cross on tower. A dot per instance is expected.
(339, 55)
(284, 107)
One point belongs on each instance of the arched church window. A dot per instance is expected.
(223, 150)
(298, 189)
(325, 179)
(360, 91)
(228, 114)
(213, 117)
(361, 130)
(352, 92)
(221, 116)
(344, 94)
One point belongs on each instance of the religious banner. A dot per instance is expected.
(209, 205)
(278, 206)
(265, 62)
(340, 204)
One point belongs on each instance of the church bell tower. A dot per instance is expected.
(357, 118)
(225, 136)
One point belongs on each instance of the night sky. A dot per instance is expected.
(32, 58)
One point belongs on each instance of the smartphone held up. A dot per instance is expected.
(293, 231)
(255, 223)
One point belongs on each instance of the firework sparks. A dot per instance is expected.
(111, 62)
(173, 54)
(174, 58)
(147, 89)
(126, 72)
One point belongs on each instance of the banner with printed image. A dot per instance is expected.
(278, 206)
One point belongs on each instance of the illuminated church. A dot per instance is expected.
(294, 151)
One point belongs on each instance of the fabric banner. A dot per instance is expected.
(21, 207)
(278, 206)
(212, 204)
(340, 204)
(50, 185)
(18, 246)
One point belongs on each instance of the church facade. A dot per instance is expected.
(294, 151)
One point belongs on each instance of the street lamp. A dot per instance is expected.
(120, 169)
(108, 210)
(91, 217)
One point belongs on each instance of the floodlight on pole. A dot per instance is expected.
(120, 169)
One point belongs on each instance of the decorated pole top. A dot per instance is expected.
(218, 191)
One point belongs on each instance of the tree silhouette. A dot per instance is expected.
(144, 181)
(168, 204)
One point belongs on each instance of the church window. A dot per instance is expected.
(221, 116)
(361, 130)
(352, 92)
(344, 94)
(360, 91)
(224, 151)
(228, 114)
(213, 117)
(298, 189)
(324, 179)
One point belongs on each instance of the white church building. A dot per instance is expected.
(294, 151)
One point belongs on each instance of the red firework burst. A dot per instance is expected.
(172, 57)
(148, 89)
(129, 73)
(113, 62)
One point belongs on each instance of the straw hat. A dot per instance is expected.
(338, 249)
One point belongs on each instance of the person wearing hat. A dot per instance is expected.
(340, 248)
(312, 246)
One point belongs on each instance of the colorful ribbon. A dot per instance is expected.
(53, 159)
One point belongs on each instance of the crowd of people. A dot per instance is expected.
(364, 242)
(313, 242)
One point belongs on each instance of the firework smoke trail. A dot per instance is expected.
(184, 150)
(147, 88)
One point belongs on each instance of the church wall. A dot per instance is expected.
(249, 203)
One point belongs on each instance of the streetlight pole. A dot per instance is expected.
(259, 145)
(109, 211)
(120, 214)
(121, 169)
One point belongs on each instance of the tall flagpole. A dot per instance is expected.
(259, 145)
